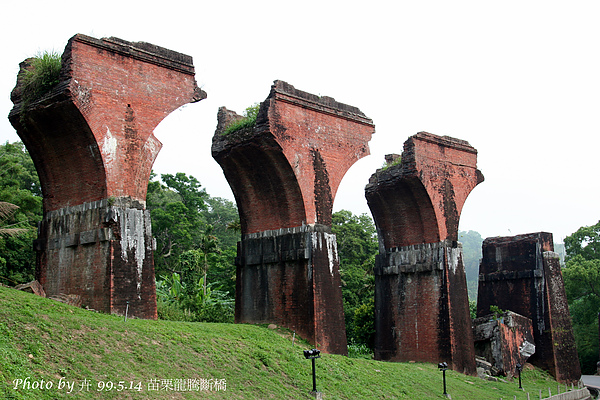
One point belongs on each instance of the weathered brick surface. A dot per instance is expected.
(289, 277)
(284, 174)
(562, 345)
(92, 144)
(522, 274)
(286, 171)
(421, 302)
(91, 137)
(421, 306)
(420, 200)
(504, 340)
(101, 252)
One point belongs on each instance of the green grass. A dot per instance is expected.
(44, 339)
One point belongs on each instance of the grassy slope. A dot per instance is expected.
(44, 339)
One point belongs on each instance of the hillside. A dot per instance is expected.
(42, 339)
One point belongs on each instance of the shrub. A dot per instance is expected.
(385, 165)
(177, 302)
(364, 323)
(42, 76)
(247, 122)
(359, 351)
(172, 312)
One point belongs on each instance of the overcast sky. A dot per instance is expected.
(519, 80)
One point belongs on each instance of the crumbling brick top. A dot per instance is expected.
(505, 240)
(285, 169)
(265, 125)
(142, 51)
(446, 141)
(408, 166)
(420, 198)
(283, 91)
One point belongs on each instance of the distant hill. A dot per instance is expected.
(471, 242)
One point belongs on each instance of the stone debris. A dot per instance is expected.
(32, 287)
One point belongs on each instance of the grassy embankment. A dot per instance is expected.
(42, 339)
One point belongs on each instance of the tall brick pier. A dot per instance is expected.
(91, 141)
(421, 300)
(522, 274)
(284, 173)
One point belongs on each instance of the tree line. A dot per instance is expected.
(197, 234)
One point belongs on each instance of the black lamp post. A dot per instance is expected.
(443, 366)
(312, 355)
(519, 368)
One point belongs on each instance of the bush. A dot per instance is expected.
(172, 312)
(247, 122)
(176, 302)
(359, 351)
(364, 323)
(42, 76)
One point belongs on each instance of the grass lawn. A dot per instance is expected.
(48, 349)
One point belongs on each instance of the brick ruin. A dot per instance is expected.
(504, 340)
(522, 274)
(91, 141)
(421, 300)
(284, 173)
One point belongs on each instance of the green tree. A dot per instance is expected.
(190, 226)
(20, 186)
(177, 221)
(223, 216)
(357, 248)
(208, 244)
(582, 285)
(585, 242)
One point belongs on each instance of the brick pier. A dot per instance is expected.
(284, 173)
(92, 144)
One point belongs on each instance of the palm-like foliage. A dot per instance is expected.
(6, 211)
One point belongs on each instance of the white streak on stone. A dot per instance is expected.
(133, 238)
(330, 242)
(109, 149)
(453, 256)
(332, 253)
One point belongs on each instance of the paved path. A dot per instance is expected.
(591, 380)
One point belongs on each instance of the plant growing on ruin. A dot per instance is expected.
(497, 311)
(42, 75)
(247, 122)
(387, 165)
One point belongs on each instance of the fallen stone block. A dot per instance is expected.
(32, 287)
